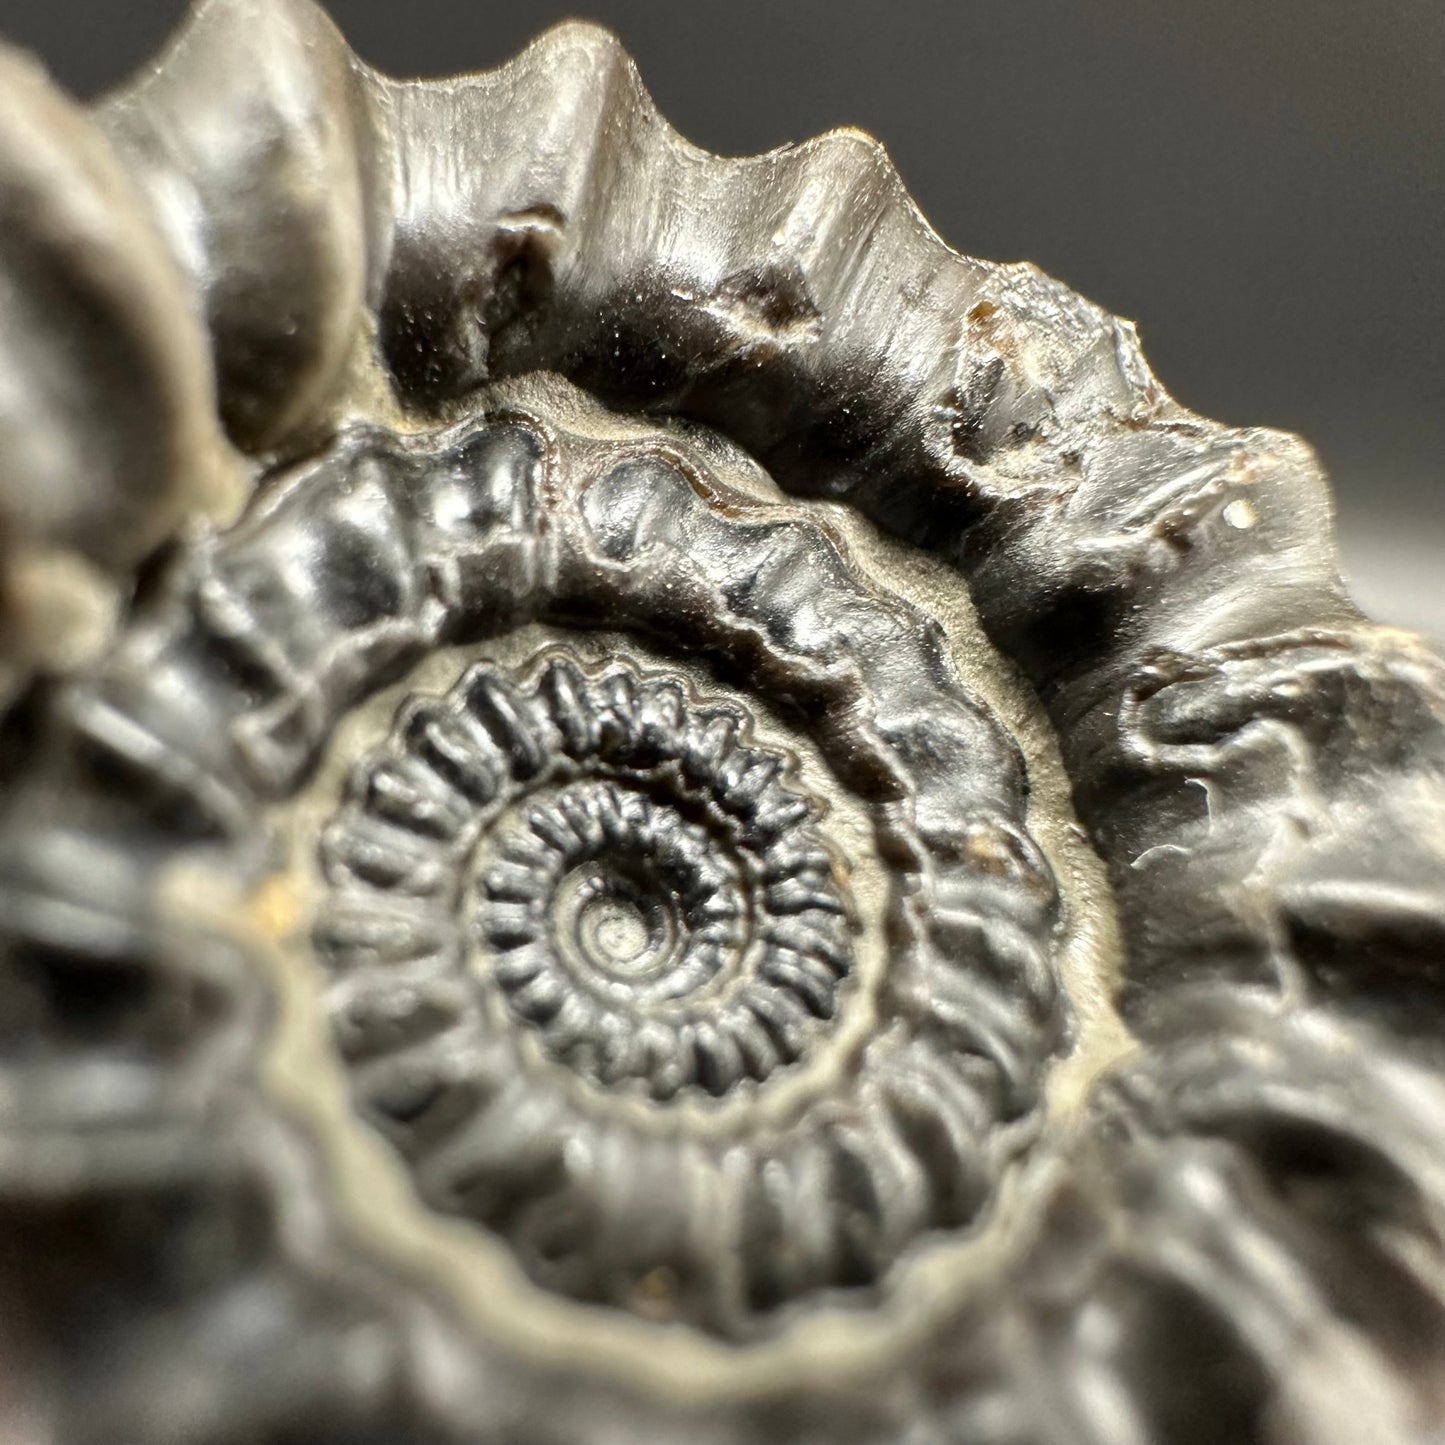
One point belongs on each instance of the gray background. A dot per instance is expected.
(1259, 183)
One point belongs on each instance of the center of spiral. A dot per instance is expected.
(614, 926)
(612, 931)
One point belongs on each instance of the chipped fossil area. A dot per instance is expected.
(640, 805)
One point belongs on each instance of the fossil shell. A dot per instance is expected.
(108, 437)
(752, 836)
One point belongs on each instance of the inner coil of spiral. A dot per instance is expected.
(832, 937)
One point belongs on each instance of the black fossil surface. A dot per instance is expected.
(639, 805)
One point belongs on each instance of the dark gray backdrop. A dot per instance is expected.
(1259, 183)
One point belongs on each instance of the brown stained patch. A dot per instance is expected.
(275, 908)
(992, 323)
(992, 850)
(654, 1296)
(1249, 468)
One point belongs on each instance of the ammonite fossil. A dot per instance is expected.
(641, 806)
